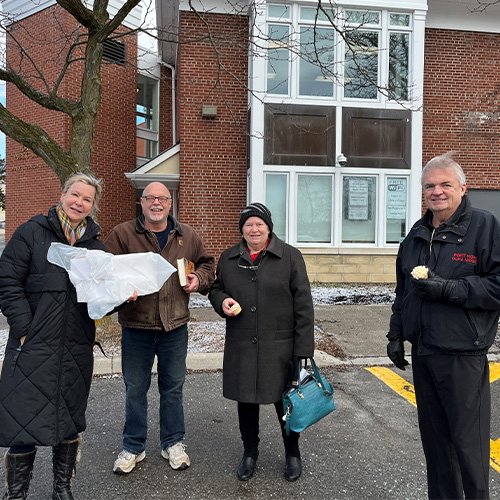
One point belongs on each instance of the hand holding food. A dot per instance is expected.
(235, 309)
(230, 307)
(420, 272)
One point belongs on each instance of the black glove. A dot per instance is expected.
(396, 353)
(435, 288)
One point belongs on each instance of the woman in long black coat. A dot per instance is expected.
(263, 291)
(48, 362)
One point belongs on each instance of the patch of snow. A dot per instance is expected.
(325, 295)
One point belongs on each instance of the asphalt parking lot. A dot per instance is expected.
(368, 449)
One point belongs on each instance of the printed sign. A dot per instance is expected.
(396, 198)
(358, 199)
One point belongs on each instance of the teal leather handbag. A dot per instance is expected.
(309, 400)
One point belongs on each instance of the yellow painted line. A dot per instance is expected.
(406, 390)
(395, 382)
(495, 454)
(494, 372)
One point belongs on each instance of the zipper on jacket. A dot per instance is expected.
(430, 243)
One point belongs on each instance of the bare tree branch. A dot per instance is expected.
(84, 43)
(83, 15)
(119, 17)
(49, 102)
(36, 139)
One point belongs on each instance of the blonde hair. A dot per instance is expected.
(91, 181)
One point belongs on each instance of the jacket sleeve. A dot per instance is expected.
(303, 309)
(395, 324)
(114, 243)
(14, 269)
(482, 290)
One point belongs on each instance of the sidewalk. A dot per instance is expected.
(358, 330)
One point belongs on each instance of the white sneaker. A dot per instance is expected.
(176, 456)
(127, 461)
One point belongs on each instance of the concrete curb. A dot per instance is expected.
(212, 361)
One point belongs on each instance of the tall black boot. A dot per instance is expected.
(293, 466)
(18, 468)
(63, 464)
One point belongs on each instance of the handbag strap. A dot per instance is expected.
(315, 373)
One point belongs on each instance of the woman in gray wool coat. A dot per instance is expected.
(263, 291)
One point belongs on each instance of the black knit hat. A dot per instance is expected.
(256, 210)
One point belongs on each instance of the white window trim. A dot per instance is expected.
(257, 99)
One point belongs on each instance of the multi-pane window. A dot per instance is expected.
(314, 208)
(399, 56)
(373, 208)
(396, 203)
(361, 64)
(359, 209)
(317, 65)
(325, 50)
(361, 68)
(276, 201)
(317, 61)
(146, 100)
(278, 59)
(146, 118)
(336, 156)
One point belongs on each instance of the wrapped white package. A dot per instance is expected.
(104, 280)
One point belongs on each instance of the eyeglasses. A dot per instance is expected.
(161, 199)
(255, 267)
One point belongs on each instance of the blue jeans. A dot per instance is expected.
(139, 347)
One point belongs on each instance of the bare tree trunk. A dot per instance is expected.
(83, 122)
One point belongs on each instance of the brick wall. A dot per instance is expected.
(213, 151)
(462, 102)
(31, 185)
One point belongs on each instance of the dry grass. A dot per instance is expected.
(204, 336)
(109, 334)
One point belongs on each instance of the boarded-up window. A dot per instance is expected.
(378, 138)
(299, 135)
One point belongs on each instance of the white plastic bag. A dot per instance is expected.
(104, 280)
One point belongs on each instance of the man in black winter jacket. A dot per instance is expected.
(451, 319)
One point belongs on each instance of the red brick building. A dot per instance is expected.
(267, 102)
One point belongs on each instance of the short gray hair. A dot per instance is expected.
(91, 181)
(444, 161)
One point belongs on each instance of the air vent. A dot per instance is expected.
(114, 51)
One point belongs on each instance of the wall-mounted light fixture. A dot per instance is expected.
(208, 110)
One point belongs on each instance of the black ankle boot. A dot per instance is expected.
(18, 468)
(63, 464)
(246, 468)
(293, 468)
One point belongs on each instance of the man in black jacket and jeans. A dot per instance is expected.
(451, 319)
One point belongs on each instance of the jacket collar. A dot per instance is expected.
(52, 223)
(457, 225)
(275, 247)
(140, 226)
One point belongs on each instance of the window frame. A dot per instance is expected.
(149, 135)
(383, 28)
(337, 176)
